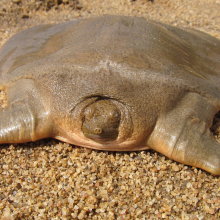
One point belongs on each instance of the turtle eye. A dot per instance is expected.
(112, 114)
(89, 112)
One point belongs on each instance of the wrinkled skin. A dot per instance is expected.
(114, 83)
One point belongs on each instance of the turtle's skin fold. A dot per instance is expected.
(114, 83)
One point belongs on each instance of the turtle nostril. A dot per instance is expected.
(97, 130)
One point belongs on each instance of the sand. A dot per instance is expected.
(49, 179)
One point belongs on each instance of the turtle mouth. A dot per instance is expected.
(101, 139)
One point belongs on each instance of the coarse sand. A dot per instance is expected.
(49, 179)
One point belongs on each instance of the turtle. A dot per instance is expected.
(114, 83)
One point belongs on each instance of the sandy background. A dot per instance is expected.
(49, 179)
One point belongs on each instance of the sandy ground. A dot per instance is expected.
(49, 179)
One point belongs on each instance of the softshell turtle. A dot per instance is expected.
(114, 83)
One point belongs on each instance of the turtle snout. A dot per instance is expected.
(97, 130)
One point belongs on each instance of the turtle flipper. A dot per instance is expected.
(25, 118)
(183, 134)
(17, 123)
(197, 147)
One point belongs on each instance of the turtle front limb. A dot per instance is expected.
(183, 134)
(196, 146)
(25, 118)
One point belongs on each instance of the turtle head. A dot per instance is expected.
(101, 121)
